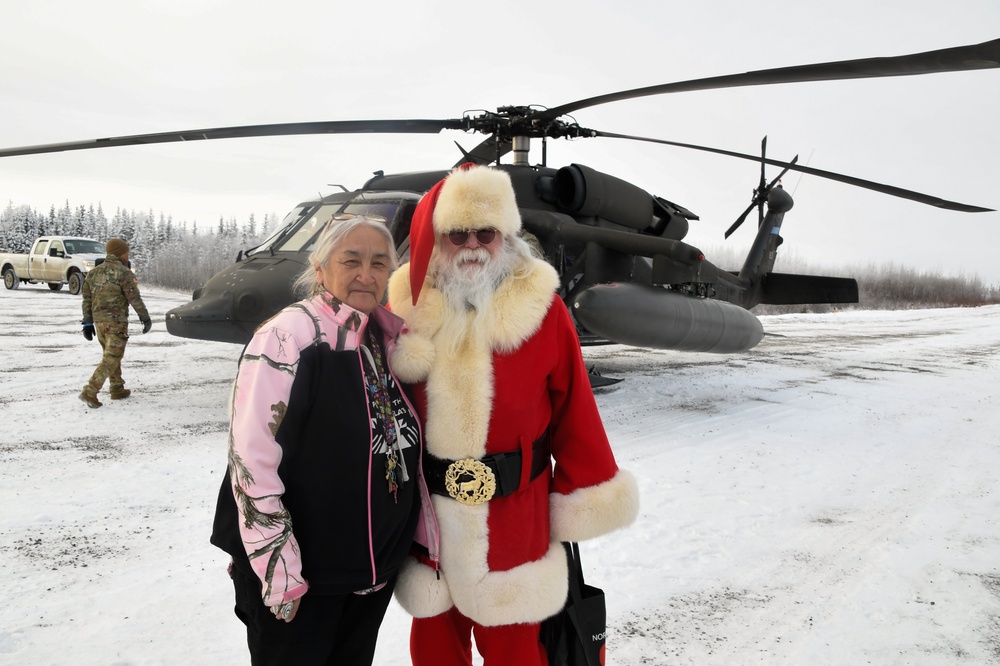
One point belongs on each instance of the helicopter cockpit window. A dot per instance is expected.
(385, 210)
(400, 227)
(305, 231)
(280, 231)
(377, 209)
(301, 238)
(397, 215)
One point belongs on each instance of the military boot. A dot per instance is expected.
(89, 396)
(120, 393)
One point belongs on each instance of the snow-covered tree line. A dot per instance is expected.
(173, 256)
(162, 253)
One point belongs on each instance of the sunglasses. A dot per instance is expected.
(484, 236)
(341, 217)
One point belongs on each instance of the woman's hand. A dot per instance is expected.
(286, 611)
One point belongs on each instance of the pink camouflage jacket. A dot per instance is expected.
(304, 505)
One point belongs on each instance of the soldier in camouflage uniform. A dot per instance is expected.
(107, 292)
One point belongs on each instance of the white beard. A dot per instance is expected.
(471, 278)
(468, 290)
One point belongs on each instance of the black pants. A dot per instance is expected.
(337, 630)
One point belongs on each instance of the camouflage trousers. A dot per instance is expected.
(113, 337)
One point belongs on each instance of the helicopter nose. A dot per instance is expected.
(210, 317)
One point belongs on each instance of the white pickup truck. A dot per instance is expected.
(57, 260)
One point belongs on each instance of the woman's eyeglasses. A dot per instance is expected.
(484, 236)
(340, 217)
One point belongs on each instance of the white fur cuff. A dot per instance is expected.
(412, 358)
(590, 512)
(420, 592)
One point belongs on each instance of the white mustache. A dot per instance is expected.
(478, 255)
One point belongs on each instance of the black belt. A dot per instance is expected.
(473, 481)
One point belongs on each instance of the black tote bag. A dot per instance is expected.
(575, 636)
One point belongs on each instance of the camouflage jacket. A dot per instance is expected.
(108, 291)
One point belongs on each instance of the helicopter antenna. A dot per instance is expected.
(335, 185)
(797, 182)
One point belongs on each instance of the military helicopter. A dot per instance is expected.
(626, 274)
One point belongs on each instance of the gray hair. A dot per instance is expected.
(333, 234)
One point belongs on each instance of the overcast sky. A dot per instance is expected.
(77, 71)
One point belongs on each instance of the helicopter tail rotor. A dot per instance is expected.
(760, 194)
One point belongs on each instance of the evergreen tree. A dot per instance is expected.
(63, 222)
(100, 230)
(250, 230)
(51, 221)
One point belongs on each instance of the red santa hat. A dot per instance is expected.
(470, 197)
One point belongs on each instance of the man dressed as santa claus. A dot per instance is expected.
(504, 392)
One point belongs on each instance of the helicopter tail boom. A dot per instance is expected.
(767, 287)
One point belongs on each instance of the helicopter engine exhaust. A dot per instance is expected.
(671, 320)
(584, 191)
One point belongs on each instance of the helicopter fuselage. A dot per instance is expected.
(625, 273)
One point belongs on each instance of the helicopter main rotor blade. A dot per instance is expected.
(955, 59)
(829, 175)
(415, 126)
(487, 151)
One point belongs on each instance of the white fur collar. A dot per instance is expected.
(519, 306)
(459, 378)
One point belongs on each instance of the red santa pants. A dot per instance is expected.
(446, 640)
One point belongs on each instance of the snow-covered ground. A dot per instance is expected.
(829, 498)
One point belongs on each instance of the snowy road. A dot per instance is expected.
(828, 498)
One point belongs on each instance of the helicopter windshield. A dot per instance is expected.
(308, 228)
(387, 210)
(301, 236)
(282, 229)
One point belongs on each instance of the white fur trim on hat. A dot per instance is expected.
(475, 199)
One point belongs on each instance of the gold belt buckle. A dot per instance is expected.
(470, 482)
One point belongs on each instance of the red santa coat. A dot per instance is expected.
(498, 391)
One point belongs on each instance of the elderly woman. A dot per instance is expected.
(324, 487)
